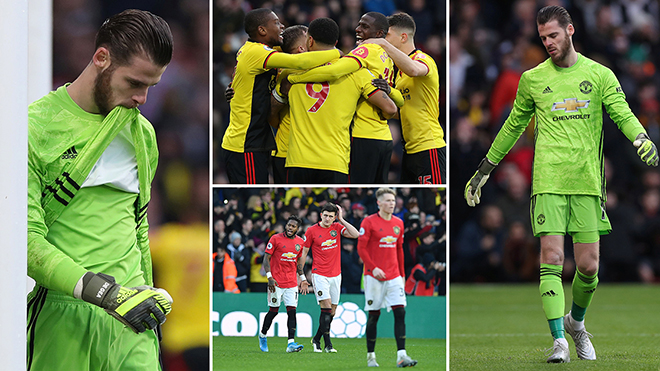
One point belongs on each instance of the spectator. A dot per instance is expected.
(241, 257)
(425, 276)
(258, 279)
(351, 269)
(224, 272)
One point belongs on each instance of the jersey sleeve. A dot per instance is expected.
(397, 97)
(270, 247)
(421, 58)
(616, 106)
(309, 239)
(301, 61)
(515, 124)
(47, 265)
(399, 253)
(363, 245)
(332, 72)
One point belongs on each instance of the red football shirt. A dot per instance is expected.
(325, 244)
(381, 245)
(284, 253)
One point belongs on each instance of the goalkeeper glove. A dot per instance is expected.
(646, 149)
(473, 187)
(140, 308)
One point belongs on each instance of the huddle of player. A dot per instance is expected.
(331, 120)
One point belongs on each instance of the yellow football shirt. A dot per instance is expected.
(321, 115)
(420, 127)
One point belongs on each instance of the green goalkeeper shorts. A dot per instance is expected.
(583, 217)
(67, 334)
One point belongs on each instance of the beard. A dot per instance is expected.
(562, 50)
(102, 91)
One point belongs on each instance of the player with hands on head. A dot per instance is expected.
(324, 241)
(380, 246)
(566, 93)
(281, 262)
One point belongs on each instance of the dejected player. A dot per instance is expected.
(91, 159)
(380, 246)
(566, 93)
(280, 263)
(324, 239)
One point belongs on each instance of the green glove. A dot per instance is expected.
(140, 308)
(473, 187)
(646, 149)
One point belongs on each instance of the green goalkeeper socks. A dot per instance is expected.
(552, 297)
(583, 291)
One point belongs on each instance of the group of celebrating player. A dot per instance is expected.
(331, 120)
(380, 245)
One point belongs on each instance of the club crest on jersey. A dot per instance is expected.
(570, 105)
(361, 51)
(586, 87)
(333, 233)
(297, 247)
(274, 300)
(397, 230)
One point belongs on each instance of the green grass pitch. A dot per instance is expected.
(503, 327)
(243, 354)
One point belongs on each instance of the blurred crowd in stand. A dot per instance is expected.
(178, 108)
(245, 219)
(229, 36)
(490, 44)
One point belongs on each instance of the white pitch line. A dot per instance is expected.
(546, 334)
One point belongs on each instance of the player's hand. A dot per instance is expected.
(304, 287)
(229, 92)
(381, 84)
(140, 308)
(646, 149)
(378, 274)
(473, 187)
(271, 284)
(340, 212)
(285, 86)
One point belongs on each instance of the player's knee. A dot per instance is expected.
(399, 312)
(373, 317)
(588, 268)
(274, 309)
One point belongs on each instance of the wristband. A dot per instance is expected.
(278, 97)
(303, 278)
(269, 275)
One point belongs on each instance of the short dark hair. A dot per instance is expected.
(402, 20)
(133, 32)
(554, 12)
(324, 31)
(291, 35)
(254, 19)
(329, 207)
(295, 218)
(380, 22)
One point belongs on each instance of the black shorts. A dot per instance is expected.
(303, 175)
(370, 161)
(247, 167)
(279, 171)
(426, 167)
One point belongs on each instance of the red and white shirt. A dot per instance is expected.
(325, 244)
(284, 253)
(381, 245)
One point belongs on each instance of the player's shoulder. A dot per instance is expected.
(418, 55)
(396, 219)
(253, 50)
(592, 65)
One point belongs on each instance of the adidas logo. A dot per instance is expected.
(590, 291)
(70, 154)
(549, 293)
(547, 90)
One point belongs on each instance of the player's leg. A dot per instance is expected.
(279, 171)
(274, 300)
(335, 290)
(290, 299)
(384, 150)
(322, 292)
(395, 297)
(373, 297)
(425, 167)
(247, 167)
(365, 158)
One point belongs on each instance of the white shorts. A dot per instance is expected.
(326, 288)
(381, 294)
(288, 296)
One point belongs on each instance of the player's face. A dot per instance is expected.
(126, 85)
(386, 203)
(557, 40)
(365, 28)
(274, 30)
(291, 228)
(301, 45)
(394, 37)
(327, 218)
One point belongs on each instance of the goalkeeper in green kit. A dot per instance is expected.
(91, 160)
(566, 94)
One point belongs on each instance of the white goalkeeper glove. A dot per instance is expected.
(140, 308)
(646, 149)
(473, 187)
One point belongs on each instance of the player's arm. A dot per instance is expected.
(515, 124)
(399, 254)
(271, 281)
(393, 93)
(300, 264)
(331, 72)
(300, 61)
(408, 66)
(350, 231)
(379, 99)
(616, 106)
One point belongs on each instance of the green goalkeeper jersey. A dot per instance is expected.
(99, 228)
(568, 134)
